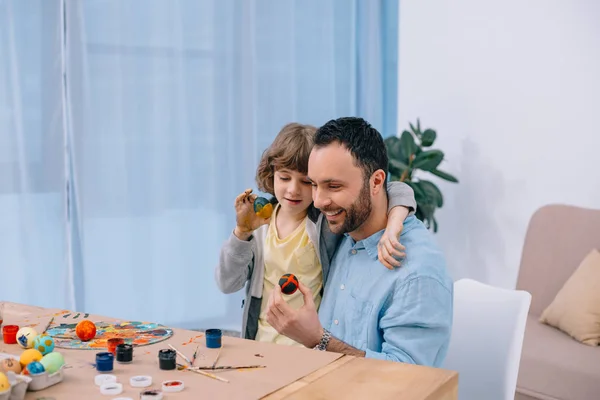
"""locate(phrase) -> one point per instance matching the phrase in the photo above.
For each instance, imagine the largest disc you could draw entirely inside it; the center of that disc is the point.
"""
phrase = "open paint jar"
(213, 338)
(166, 359)
(9, 333)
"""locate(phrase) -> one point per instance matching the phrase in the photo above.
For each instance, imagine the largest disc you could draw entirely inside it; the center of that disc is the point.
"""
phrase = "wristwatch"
(322, 346)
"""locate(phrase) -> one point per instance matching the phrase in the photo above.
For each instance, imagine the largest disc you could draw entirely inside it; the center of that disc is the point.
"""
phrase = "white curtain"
(33, 248)
(167, 108)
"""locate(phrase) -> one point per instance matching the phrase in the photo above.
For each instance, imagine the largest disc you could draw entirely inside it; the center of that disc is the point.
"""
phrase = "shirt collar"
(370, 243)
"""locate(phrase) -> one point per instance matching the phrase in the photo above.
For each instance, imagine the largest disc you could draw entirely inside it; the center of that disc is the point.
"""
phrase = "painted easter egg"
(289, 283)
(44, 343)
(52, 362)
(25, 337)
(29, 356)
(85, 330)
(10, 364)
(35, 368)
(263, 208)
(4, 383)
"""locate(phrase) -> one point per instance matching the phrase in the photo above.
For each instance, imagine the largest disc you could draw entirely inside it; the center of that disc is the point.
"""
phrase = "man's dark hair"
(357, 135)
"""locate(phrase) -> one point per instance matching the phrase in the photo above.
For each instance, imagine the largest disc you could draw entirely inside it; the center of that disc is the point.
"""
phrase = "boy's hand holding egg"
(251, 212)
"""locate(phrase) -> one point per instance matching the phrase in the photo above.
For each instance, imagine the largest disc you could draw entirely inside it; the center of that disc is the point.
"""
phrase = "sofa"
(554, 365)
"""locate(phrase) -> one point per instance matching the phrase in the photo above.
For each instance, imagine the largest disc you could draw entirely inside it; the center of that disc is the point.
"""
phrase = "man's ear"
(378, 181)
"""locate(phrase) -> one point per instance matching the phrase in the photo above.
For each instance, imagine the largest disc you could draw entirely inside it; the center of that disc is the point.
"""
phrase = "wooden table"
(309, 374)
(360, 378)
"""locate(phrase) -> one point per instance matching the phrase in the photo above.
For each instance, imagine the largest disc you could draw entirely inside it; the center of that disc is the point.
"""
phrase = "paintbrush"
(49, 323)
(181, 354)
(229, 367)
(217, 358)
(194, 356)
(208, 375)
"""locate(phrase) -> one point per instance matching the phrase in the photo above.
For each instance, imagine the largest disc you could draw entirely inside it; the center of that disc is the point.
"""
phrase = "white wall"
(513, 89)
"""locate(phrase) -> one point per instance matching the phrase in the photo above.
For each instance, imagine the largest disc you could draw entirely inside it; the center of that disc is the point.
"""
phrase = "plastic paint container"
(213, 338)
(166, 359)
(104, 361)
(113, 343)
(9, 333)
(124, 353)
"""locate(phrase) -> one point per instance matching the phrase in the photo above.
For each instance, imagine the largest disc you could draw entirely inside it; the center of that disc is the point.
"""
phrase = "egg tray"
(23, 383)
(18, 387)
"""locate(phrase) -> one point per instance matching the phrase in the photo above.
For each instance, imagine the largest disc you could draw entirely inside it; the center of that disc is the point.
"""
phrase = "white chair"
(487, 337)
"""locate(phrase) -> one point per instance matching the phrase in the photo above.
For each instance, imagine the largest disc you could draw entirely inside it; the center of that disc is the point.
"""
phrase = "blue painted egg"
(35, 367)
(44, 344)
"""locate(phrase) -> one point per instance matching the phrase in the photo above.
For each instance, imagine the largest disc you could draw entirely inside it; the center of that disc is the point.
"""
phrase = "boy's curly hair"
(289, 150)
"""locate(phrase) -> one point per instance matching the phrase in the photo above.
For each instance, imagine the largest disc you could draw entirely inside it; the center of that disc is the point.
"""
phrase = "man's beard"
(356, 214)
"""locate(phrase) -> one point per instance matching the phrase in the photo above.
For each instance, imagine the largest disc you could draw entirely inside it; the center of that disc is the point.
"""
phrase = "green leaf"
(435, 224)
(432, 191)
(396, 167)
(407, 146)
(428, 137)
(412, 128)
(444, 175)
(394, 149)
(428, 160)
(420, 195)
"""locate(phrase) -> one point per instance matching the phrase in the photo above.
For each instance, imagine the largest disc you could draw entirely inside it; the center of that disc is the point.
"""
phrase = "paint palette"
(135, 333)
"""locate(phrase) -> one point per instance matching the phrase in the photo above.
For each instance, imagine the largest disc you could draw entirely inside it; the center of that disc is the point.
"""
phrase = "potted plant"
(412, 152)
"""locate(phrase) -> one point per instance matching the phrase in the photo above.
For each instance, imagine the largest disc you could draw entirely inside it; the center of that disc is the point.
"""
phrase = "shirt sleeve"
(416, 322)
(400, 194)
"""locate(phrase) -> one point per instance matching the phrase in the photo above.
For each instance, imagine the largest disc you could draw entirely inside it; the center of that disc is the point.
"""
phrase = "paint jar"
(124, 353)
(213, 338)
(9, 333)
(113, 343)
(167, 359)
(104, 361)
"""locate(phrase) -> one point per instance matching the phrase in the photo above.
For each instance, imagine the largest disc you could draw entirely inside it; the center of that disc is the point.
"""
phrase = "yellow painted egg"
(4, 383)
(29, 356)
(10, 364)
(25, 337)
(44, 343)
(52, 362)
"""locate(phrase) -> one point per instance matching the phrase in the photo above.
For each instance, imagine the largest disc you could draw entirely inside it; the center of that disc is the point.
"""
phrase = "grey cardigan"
(241, 261)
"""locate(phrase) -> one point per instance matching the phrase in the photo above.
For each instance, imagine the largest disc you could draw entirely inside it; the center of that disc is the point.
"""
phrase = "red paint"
(9, 333)
(113, 343)
(173, 383)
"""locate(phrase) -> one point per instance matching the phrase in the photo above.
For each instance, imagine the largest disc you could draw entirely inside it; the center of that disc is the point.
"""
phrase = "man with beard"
(367, 310)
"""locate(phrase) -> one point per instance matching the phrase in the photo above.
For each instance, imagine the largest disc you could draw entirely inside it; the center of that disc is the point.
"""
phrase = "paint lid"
(122, 398)
(140, 381)
(172, 386)
(111, 388)
(151, 395)
(101, 379)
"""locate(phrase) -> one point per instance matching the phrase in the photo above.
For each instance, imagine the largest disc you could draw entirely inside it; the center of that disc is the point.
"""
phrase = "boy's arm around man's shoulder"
(400, 194)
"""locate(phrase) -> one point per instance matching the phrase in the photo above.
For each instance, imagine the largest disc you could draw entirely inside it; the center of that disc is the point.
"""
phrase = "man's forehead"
(331, 162)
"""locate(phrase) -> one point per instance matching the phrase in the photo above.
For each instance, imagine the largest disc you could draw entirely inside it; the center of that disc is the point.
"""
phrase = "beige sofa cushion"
(554, 366)
(576, 307)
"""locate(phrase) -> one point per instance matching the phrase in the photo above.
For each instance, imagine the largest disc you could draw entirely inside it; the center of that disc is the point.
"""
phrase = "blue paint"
(104, 361)
(213, 338)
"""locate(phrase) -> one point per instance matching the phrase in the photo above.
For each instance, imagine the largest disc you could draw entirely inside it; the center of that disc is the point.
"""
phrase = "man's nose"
(319, 198)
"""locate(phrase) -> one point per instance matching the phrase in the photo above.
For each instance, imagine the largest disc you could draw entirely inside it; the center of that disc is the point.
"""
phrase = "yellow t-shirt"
(294, 254)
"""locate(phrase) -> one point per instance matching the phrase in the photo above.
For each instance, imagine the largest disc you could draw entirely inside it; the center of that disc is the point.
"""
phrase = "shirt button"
(336, 322)
(353, 251)
(342, 286)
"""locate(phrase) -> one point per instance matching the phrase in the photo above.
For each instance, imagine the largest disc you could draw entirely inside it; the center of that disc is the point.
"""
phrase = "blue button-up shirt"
(401, 315)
